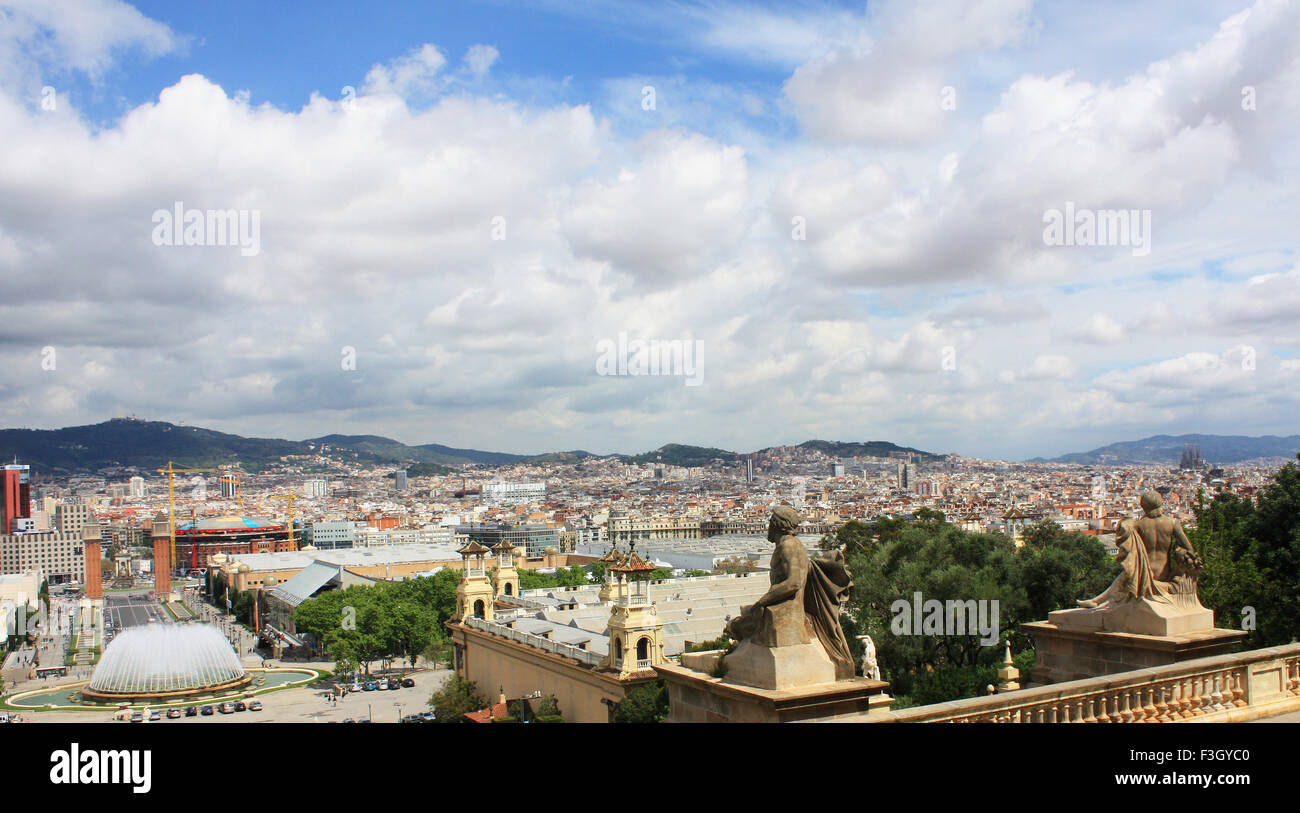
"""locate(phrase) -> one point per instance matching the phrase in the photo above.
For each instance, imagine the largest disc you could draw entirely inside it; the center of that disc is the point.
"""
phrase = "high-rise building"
(837, 469)
(229, 486)
(749, 470)
(136, 485)
(71, 517)
(315, 489)
(399, 481)
(15, 495)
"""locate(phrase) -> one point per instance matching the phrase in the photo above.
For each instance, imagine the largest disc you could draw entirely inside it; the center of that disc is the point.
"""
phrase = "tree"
(852, 537)
(1251, 552)
(644, 704)
(942, 562)
(455, 699)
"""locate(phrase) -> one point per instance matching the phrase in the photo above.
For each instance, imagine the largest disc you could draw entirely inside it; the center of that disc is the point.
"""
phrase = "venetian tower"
(474, 593)
(636, 642)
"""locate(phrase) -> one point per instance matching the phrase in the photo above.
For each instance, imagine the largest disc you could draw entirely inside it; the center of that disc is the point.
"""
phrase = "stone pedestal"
(695, 697)
(778, 667)
(1072, 652)
(1139, 618)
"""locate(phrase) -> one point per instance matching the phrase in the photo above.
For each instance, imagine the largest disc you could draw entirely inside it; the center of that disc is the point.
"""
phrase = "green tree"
(944, 563)
(644, 704)
(455, 699)
(852, 537)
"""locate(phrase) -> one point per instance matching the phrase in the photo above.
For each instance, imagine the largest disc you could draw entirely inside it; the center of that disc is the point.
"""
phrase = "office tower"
(399, 481)
(15, 496)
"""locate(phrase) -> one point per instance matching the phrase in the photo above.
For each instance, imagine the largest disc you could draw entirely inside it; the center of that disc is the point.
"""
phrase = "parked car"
(207, 711)
(408, 682)
(173, 714)
(227, 708)
(137, 716)
(256, 705)
(429, 716)
(240, 705)
(370, 687)
(394, 683)
(349, 720)
(381, 686)
(192, 711)
(364, 720)
(155, 716)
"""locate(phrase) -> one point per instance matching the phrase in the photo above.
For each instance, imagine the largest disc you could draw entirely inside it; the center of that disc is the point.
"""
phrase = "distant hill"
(147, 444)
(677, 454)
(871, 448)
(150, 444)
(1168, 449)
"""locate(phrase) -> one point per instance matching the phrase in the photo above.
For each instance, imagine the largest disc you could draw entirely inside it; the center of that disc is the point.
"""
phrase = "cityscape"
(691, 363)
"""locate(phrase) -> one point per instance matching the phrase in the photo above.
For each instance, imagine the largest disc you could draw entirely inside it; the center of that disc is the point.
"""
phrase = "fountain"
(162, 661)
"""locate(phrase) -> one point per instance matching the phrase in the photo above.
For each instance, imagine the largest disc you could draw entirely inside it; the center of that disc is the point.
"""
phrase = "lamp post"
(399, 711)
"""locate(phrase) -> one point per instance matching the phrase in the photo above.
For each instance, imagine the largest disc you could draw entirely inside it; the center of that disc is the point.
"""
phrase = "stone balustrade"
(1221, 688)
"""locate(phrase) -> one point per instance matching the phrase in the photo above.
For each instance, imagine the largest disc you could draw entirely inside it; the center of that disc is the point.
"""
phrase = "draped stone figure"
(1159, 563)
(803, 603)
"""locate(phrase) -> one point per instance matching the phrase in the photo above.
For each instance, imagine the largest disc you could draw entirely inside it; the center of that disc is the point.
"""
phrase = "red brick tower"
(162, 565)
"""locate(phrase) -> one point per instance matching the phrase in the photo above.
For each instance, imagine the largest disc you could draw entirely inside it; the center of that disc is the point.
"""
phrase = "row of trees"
(895, 560)
(399, 620)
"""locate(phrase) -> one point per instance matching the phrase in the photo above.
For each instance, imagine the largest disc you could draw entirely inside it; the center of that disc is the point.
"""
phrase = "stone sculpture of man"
(1158, 560)
(804, 600)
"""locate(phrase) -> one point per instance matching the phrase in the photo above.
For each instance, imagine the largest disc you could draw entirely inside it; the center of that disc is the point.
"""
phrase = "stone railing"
(1220, 688)
(536, 641)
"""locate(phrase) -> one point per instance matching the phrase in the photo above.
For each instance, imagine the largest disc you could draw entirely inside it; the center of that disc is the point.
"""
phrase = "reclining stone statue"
(1158, 560)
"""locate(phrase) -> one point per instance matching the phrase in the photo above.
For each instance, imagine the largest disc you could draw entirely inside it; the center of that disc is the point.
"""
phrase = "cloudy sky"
(843, 206)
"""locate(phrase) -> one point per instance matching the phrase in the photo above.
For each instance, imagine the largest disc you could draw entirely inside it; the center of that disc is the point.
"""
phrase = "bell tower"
(474, 593)
(507, 578)
(636, 641)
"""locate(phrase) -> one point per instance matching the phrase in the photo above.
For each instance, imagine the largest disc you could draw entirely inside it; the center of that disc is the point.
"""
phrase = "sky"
(1000, 228)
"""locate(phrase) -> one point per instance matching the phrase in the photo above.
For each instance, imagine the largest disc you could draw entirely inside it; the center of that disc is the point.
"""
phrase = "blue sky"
(921, 236)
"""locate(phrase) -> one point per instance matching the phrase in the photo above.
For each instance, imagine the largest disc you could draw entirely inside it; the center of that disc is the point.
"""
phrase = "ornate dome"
(166, 659)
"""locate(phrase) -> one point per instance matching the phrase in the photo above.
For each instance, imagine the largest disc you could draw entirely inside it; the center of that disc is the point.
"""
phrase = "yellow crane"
(291, 498)
(171, 472)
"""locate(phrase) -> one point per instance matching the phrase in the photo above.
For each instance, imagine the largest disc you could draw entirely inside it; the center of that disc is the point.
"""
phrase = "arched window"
(643, 652)
(478, 609)
(510, 588)
(618, 651)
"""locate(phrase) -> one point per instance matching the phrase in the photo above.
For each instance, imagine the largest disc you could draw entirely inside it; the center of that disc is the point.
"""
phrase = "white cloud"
(480, 59)
(377, 224)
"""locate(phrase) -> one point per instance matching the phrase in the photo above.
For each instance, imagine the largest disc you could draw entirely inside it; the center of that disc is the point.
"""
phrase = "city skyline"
(856, 224)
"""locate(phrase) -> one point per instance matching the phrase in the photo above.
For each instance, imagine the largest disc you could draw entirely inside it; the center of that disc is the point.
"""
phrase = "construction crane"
(291, 498)
(171, 472)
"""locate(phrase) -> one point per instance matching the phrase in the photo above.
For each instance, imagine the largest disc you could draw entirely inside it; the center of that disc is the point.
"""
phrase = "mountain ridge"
(131, 442)
(1169, 449)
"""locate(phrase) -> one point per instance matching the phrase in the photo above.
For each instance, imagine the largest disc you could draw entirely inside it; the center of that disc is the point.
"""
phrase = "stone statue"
(803, 603)
(1159, 563)
(870, 667)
